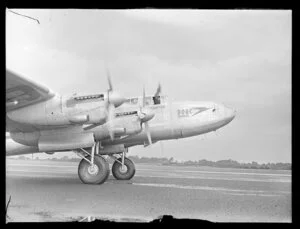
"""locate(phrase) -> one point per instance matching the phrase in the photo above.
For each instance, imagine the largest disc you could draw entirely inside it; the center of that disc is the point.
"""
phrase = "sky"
(241, 58)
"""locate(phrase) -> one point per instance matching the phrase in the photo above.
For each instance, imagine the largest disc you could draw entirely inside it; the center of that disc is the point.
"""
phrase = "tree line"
(220, 164)
(170, 161)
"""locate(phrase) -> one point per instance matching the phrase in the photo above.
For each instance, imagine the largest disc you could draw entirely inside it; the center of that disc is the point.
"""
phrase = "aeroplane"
(99, 126)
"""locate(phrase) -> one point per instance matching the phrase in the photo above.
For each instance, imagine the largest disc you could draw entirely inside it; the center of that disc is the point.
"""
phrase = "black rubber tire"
(88, 178)
(118, 174)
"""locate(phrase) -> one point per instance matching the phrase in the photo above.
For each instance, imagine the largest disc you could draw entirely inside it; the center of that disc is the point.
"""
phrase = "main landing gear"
(96, 173)
(94, 169)
(123, 168)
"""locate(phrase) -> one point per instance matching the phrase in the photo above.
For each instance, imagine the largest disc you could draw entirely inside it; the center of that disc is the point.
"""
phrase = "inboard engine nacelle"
(121, 127)
(57, 111)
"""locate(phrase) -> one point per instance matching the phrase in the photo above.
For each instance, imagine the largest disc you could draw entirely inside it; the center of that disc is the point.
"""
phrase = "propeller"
(109, 80)
(148, 133)
(145, 115)
(158, 90)
(110, 120)
(114, 99)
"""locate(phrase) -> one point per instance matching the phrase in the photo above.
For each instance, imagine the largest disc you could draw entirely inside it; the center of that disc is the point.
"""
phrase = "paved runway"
(51, 191)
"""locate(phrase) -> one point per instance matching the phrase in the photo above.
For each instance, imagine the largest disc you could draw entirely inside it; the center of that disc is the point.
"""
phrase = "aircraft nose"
(230, 114)
(233, 112)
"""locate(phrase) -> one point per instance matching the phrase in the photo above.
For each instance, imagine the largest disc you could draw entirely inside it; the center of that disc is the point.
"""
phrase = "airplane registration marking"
(187, 112)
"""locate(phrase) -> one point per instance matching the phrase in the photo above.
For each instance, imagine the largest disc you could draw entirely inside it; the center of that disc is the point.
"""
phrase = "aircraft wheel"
(123, 174)
(96, 174)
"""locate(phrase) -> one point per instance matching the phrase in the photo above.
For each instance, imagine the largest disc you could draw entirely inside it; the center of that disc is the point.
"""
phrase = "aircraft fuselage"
(175, 120)
(172, 120)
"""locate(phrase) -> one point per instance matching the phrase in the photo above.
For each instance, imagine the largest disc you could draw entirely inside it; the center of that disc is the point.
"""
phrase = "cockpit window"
(156, 99)
(150, 100)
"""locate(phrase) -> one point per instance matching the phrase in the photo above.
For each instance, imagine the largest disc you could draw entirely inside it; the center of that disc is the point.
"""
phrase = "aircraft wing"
(22, 92)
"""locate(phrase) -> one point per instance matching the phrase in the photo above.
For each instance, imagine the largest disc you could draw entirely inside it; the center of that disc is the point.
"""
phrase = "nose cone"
(230, 114)
(146, 115)
(116, 98)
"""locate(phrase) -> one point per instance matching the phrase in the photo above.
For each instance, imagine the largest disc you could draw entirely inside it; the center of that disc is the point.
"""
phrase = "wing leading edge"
(21, 92)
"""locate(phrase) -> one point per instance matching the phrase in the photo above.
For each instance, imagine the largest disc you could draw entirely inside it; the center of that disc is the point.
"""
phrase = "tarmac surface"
(50, 191)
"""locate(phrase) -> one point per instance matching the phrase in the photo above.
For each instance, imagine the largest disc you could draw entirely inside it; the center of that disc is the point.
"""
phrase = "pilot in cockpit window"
(156, 100)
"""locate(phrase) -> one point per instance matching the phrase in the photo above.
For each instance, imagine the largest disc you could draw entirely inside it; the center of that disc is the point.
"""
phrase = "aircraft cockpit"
(150, 100)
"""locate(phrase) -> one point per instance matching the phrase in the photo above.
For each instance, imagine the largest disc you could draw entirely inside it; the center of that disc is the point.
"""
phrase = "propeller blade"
(148, 133)
(158, 90)
(110, 120)
(109, 80)
(110, 108)
(144, 97)
(113, 96)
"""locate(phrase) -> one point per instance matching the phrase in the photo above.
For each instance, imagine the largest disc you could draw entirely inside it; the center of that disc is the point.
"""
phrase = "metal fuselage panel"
(172, 120)
(175, 120)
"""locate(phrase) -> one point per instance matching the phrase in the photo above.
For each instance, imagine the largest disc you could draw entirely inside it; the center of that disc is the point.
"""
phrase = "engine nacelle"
(60, 111)
(65, 141)
(132, 127)
(26, 138)
(122, 126)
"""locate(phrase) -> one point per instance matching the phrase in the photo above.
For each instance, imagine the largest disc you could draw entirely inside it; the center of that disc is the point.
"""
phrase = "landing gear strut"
(123, 168)
(92, 169)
